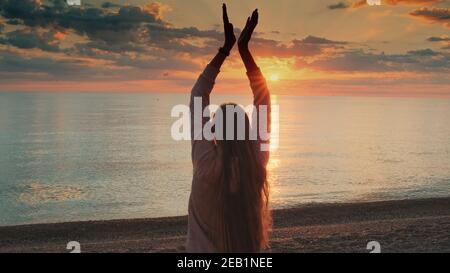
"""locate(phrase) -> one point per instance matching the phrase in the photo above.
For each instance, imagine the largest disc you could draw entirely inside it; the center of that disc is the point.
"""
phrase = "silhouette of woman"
(228, 206)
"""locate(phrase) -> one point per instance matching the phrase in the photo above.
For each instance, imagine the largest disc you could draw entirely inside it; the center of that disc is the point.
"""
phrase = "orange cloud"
(359, 4)
(157, 9)
(59, 35)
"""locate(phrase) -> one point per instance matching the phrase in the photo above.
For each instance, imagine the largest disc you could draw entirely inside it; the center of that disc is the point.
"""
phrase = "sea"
(98, 156)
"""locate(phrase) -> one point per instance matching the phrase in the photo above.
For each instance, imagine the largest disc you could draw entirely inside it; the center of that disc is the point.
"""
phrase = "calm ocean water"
(70, 156)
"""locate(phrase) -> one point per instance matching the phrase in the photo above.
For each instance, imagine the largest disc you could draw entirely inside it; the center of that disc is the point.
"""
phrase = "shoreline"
(420, 225)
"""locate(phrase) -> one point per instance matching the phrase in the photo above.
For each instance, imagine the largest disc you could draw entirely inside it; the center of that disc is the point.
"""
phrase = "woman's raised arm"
(257, 81)
(205, 82)
(244, 39)
(261, 95)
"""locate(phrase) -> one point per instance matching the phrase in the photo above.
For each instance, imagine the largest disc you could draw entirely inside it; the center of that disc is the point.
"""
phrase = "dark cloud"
(127, 28)
(91, 48)
(439, 39)
(423, 52)
(108, 5)
(140, 57)
(444, 40)
(348, 4)
(353, 61)
(134, 41)
(321, 41)
(96, 23)
(425, 60)
(177, 39)
(307, 47)
(155, 40)
(127, 38)
(27, 39)
(29, 12)
(433, 15)
(16, 66)
(123, 31)
(13, 22)
(340, 5)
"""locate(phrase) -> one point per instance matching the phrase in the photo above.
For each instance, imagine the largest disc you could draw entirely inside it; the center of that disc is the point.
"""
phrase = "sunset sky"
(308, 47)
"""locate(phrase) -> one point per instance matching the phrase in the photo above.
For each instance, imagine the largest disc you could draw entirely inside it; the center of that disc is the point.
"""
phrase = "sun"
(274, 78)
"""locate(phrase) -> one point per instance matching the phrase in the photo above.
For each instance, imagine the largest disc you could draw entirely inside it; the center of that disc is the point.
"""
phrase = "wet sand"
(399, 226)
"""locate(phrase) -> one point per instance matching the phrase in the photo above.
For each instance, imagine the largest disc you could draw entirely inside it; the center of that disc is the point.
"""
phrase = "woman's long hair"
(243, 217)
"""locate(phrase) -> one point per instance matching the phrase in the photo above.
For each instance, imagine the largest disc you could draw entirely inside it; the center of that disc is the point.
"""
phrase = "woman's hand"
(230, 39)
(247, 32)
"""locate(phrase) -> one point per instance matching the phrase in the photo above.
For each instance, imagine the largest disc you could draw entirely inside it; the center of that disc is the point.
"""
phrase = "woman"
(228, 206)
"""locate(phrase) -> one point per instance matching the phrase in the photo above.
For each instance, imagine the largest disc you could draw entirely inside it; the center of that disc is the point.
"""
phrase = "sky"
(308, 47)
